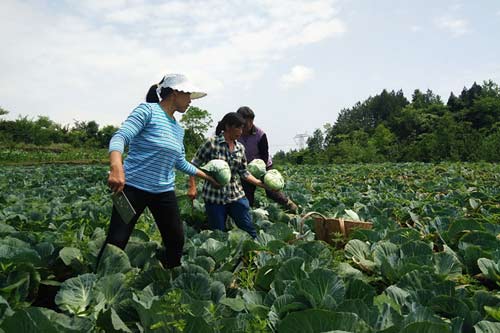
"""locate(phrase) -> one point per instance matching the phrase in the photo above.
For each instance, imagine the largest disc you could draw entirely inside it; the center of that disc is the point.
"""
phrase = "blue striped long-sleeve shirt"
(156, 146)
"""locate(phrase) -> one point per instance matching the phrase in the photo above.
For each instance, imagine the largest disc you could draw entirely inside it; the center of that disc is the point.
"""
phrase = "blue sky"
(295, 63)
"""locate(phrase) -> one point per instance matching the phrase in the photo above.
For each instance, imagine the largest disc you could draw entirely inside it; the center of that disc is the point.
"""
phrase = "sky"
(296, 63)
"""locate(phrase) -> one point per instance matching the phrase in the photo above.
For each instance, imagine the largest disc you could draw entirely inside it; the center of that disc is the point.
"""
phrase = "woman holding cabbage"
(147, 177)
(256, 147)
(228, 199)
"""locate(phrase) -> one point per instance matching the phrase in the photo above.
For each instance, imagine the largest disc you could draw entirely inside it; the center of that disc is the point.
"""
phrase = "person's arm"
(192, 192)
(133, 125)
(254, 181)
(263, 147)
(201, 157)
(246, 175)
(135, 122)
(202, 174)
(116, 178)
(188, 168)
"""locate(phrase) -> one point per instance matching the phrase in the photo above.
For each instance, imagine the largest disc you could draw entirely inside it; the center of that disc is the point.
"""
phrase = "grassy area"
(54, 154)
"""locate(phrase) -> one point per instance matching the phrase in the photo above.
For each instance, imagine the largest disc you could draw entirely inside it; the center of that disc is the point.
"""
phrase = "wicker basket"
(325, 227)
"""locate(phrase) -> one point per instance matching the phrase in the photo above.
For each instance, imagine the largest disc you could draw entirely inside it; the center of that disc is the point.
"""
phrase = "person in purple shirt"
(256, 146)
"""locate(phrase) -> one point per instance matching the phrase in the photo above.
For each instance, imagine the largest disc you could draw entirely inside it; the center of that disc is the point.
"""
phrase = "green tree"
(454, 104)
(5, 136)
(366, 116)
(490, 147)
(197, 120)
(316, 141)
(383, 140)
(468, 96)
(386, 106)
(420, 100)
(490, 89)
(196, 123)
(105, 134)
(410, 123)
(279, 157)
(483, 113)
(85, 133)
(444, 133)
(24, 130)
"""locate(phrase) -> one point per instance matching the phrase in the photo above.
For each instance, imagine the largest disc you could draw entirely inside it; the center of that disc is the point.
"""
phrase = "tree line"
(42, 132)
(383, 128)
(389, 127)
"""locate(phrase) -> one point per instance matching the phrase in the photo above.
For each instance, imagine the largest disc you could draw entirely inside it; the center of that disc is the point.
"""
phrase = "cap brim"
(196, 95)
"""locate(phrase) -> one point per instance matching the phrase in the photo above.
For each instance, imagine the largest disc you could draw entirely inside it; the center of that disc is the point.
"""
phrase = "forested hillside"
(389, 127)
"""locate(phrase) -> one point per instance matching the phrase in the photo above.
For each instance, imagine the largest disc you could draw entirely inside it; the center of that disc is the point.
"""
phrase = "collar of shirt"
(220, 139)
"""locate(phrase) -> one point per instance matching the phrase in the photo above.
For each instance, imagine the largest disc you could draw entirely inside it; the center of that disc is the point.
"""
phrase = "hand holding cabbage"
(220, 174)
(219, 169)
(208, 174)
(273, 180)
(257, 168)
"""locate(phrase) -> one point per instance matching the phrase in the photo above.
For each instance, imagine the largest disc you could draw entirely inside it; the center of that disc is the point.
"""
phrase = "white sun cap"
(181, 83)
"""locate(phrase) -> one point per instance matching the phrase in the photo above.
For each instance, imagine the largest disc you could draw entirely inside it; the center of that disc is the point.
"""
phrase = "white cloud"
(97, 5)
(416, 28)
(297, 75)
(318, 31)
(90, 55)
(457, 27)
(128, 15)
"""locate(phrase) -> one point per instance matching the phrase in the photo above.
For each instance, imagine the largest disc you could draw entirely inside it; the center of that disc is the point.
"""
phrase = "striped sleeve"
(135, 122)
(183, 165)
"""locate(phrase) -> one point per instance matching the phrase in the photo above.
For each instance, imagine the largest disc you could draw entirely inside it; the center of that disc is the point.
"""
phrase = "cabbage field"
(431, 263)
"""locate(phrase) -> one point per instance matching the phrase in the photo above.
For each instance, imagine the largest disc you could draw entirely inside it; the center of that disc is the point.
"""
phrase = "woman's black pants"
(165, 211)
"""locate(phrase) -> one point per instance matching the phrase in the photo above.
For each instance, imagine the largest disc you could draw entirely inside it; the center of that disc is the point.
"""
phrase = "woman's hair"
(246, 112)
(231, 119)
(152, 96)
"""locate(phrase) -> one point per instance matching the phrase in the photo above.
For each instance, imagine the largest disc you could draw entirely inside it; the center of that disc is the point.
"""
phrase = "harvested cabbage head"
(274, 180)
(219, 169)
(257, 168)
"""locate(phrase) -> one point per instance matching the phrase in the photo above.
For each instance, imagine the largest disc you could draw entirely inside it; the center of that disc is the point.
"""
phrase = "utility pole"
(300, 139)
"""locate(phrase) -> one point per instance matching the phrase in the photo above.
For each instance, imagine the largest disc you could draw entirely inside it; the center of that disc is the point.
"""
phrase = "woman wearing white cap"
(147, 178)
